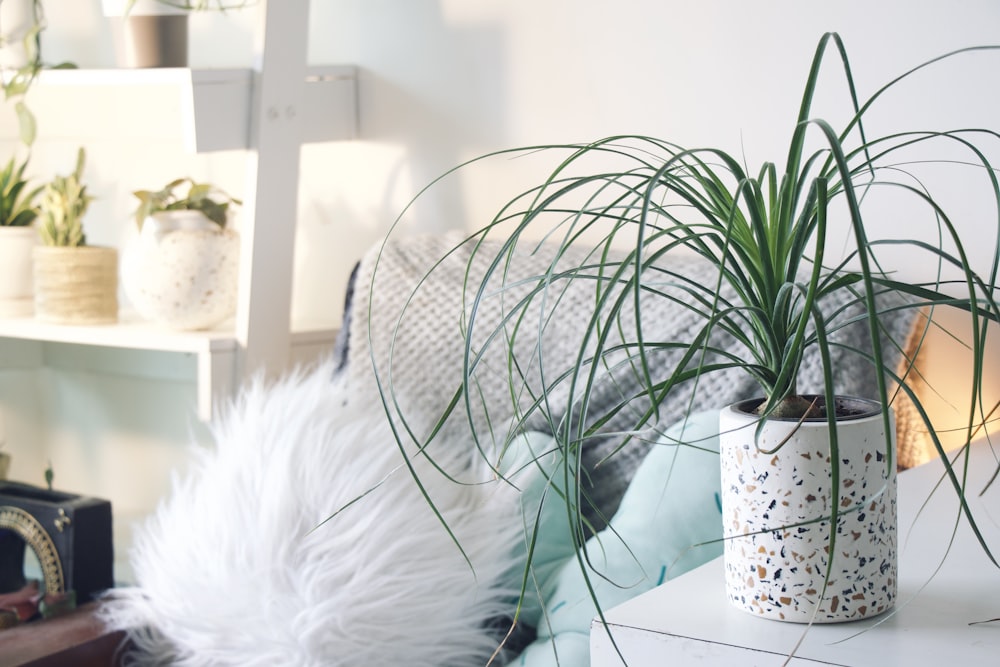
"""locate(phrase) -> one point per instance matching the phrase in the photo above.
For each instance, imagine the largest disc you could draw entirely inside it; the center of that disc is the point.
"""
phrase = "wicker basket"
(76, 285)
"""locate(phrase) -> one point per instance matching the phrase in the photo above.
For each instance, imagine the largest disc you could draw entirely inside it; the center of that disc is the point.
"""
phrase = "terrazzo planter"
(182, 271)
(776, 508)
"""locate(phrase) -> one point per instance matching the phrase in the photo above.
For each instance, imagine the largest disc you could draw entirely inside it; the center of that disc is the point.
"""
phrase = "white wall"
(441, 82)
(445, 81)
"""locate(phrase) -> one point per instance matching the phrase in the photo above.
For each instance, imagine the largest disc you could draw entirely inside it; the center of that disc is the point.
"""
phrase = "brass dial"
(34, 534)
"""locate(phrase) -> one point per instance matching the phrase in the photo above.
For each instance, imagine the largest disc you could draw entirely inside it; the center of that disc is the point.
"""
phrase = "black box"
(70, 535)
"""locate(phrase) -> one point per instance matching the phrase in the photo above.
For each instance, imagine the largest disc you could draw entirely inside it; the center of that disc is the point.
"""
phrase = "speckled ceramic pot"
(182, 271)
(776, 508)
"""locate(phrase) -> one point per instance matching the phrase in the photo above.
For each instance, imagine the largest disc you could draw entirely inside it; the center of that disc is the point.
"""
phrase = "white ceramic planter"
(776, 517)
(182, 271)
(16, 285)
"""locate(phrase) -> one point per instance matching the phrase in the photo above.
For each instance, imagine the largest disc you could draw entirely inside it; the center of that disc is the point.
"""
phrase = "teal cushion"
(533, 463)
(669, 522)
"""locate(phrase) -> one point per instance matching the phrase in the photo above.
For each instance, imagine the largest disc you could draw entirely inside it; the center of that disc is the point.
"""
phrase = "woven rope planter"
(76, 285)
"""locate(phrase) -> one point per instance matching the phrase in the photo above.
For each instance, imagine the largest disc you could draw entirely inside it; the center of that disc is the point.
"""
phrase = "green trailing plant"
(17, 201)
(213, 202)
(632, 202)
(17, 83)
(64, 201)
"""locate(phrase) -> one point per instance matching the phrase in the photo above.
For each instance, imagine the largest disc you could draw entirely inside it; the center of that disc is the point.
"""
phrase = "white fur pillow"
(235, 568)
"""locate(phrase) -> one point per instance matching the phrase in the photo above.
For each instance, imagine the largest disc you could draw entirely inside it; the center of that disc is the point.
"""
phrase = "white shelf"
(947, 592)
(134, 335)
(268, 111)
(206, 109)
(215, 350)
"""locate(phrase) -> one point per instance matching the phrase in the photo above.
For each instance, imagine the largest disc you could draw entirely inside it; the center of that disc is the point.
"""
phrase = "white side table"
(941, 617)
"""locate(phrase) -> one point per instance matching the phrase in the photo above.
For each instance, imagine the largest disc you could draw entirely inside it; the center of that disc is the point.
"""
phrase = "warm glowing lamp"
(942, 378)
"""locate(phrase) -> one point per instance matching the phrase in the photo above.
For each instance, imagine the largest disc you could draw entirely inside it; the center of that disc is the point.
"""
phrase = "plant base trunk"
(777, 508)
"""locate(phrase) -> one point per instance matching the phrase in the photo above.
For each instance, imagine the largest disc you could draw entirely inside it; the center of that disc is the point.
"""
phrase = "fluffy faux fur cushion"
(237, 567)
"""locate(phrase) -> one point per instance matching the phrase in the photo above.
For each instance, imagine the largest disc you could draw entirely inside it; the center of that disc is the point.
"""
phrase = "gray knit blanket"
(409, 337)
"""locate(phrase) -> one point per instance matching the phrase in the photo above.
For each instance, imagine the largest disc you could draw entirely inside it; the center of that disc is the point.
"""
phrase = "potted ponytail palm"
(75, 283)
(743, 256)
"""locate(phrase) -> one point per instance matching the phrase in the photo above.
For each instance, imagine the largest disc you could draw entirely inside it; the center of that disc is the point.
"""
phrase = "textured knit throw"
(409, 319)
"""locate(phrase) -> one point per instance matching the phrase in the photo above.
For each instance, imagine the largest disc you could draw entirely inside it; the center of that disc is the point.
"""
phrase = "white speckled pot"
(776, 516)
(182, 271)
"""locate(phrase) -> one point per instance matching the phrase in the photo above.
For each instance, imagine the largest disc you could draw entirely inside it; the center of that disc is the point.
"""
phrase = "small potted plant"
(182, 270)
(17, 239)
(75, 283)
(154, 33)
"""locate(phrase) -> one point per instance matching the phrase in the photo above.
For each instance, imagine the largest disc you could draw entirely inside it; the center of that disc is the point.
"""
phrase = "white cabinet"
(268, 110)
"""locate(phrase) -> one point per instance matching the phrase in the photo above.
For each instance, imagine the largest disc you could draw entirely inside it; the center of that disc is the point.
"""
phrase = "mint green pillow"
(532, 462)
(669, 522)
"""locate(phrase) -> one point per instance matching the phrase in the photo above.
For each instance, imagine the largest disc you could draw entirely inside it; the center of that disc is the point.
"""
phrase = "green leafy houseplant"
(17, 203)
(75, 283)
(182, 271)
(620, 209)
(213, 202)
(64, 202)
